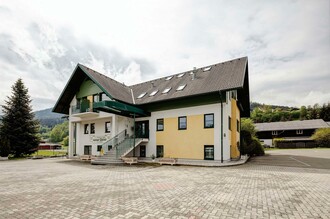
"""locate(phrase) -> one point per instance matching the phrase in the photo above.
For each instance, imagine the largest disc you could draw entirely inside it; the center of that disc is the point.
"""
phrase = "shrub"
(322, 137)
(251, 145)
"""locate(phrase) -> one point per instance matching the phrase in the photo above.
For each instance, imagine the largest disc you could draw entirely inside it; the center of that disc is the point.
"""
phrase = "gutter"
(221, 131)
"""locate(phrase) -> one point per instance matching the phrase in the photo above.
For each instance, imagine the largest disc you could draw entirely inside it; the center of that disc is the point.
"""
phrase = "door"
(208, 152)
(142, 129)
(87, 150)
(160, 151)
(142, 151)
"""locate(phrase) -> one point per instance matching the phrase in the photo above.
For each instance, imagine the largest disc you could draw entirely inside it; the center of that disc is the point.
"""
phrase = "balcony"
(83, 110)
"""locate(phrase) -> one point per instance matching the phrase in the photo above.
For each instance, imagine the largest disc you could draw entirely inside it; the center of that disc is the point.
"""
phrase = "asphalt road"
(306, 158)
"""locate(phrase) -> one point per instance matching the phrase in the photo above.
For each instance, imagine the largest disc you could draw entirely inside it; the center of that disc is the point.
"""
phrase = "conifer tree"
(19, 127)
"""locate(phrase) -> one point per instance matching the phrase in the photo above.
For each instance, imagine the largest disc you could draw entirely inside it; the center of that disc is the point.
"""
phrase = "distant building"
(49, 146)
(293, 133)
(190, 115)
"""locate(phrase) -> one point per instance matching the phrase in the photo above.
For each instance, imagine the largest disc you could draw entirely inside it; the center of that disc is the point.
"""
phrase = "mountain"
(48, 118)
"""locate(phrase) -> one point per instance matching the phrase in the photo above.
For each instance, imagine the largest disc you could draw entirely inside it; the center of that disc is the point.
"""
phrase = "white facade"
(120, 123)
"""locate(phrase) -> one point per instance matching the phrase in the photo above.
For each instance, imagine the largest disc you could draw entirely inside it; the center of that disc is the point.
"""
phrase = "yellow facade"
(234, 152)
(187, 143)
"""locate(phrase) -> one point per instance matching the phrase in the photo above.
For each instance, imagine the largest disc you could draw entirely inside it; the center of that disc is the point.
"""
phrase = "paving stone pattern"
(59, 188)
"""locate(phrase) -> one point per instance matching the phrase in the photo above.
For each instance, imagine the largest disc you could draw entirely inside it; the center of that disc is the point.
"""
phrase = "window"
(180, 75)
(229, 122)
(78, 103)
(95, 98)
(274, 133)
(104, 97)
(166, 90)
(109, 147)
(142, 95)
(93, 128)
(208, 152)
(209, 120)
(299, 132)
(153, 93)
(87, 150)
(99, 147)
(237, 125)
(233, 95)
(107, 127)
(160, 151)
(181, 87)
(160, 124)
(207, 68)
(168, 78)
(182, 122)
(86, 129)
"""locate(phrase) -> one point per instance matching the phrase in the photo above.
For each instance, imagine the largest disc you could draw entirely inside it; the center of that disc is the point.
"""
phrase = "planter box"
(3, 158)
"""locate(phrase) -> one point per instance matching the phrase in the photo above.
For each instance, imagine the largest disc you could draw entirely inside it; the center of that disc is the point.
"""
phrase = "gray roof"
(222, 76)
(292, 125)
(219, 77)
(116, 89)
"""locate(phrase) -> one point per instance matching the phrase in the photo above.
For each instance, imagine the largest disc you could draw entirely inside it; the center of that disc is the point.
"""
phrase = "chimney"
(152, 84)
(193, 74)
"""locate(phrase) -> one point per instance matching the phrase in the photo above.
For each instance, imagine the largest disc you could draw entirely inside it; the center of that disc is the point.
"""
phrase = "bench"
(85, 157)
(130, 160)
(171, 161)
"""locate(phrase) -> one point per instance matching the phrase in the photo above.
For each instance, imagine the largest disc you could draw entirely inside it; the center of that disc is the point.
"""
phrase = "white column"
(78, 137)
(114, 125)
(70, 138)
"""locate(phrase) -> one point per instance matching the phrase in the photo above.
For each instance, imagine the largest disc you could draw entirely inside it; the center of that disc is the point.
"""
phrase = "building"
(191, 115)
(293, 134)
(49, 146)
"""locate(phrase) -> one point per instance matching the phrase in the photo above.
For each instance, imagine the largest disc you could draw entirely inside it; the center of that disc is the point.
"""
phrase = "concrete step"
(104, 162)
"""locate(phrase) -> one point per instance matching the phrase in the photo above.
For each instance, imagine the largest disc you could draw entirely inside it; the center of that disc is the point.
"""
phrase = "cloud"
(287, 43)
(49, 59)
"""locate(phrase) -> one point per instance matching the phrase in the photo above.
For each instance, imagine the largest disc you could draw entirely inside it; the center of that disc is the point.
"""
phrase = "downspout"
(221, 131)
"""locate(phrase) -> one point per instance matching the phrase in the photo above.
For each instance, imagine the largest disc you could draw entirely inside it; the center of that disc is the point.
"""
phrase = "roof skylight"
(166, 90)
(142, 95)
(181, 87)
(180, 75)
(168, 78)
(153, 93)
(207, 68)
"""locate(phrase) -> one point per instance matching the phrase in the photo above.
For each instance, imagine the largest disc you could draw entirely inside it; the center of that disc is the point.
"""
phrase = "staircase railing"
(115, 141)
(127, 145)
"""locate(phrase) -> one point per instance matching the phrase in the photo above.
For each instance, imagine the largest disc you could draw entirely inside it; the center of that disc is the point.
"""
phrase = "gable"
(87, 88)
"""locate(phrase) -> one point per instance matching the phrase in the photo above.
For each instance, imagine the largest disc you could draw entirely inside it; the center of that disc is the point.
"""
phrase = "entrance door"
(142, 151)
(142, 129)
(88, 150)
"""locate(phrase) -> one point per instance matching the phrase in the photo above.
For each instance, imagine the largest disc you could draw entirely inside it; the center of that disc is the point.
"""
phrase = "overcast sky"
(287, 43)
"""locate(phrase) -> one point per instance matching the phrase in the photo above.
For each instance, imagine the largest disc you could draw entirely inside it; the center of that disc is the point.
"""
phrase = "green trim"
(66, 86)
(205, 99)
(119, 107)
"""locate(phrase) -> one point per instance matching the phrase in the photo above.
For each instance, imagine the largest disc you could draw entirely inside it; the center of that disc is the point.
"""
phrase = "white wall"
(198, 110)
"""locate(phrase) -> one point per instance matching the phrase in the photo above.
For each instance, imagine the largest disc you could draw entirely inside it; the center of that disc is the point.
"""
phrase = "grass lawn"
(48, 153)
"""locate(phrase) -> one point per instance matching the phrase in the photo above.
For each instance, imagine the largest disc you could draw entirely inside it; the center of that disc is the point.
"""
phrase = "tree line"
(269, 113)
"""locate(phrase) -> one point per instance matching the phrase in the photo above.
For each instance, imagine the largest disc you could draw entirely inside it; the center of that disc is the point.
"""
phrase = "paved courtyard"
(60, 188)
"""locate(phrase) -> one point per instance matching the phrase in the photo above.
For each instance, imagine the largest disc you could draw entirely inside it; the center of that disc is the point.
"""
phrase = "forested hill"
(272, 113)
(48, 118)
(254, 105)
